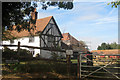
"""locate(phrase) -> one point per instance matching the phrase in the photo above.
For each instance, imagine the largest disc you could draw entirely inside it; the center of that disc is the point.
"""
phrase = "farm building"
(113, 53)
(74, 44)
(46, 35)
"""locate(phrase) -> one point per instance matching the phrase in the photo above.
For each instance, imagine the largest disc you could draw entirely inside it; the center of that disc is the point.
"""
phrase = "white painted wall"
(25, 41)
(36, 43)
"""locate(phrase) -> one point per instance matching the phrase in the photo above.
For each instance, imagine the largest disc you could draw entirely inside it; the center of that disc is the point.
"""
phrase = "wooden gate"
(102, 67)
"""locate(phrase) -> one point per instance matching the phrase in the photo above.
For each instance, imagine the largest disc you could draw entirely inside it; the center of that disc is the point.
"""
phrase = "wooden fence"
(43, 48)
(102, 68)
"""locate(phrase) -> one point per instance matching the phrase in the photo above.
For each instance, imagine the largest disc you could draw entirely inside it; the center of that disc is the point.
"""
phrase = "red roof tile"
(40, 26)
(112, 51)
(67, 38)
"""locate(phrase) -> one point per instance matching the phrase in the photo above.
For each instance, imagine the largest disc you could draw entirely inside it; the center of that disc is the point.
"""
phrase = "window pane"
(31, 39)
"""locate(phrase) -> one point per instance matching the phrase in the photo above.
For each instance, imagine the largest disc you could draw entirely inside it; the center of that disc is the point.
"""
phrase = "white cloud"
(86, 9)
(83, 12)
(105, 20)
(88, 17)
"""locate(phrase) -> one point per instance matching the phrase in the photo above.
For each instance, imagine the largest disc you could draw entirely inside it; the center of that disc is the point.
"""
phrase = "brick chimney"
(34, 17)
(34, 14)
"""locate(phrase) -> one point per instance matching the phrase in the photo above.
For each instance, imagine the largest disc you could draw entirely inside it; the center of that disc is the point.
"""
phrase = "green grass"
(74, 60)
(39, 67)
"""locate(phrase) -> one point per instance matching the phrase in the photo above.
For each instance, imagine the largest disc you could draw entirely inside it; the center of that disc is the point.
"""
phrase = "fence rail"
(43, 48)
(102, 68)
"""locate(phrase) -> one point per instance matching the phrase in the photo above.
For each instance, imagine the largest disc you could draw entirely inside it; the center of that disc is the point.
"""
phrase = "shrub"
(25, 53)
(54, 56)
(11, 54)
(8, 53)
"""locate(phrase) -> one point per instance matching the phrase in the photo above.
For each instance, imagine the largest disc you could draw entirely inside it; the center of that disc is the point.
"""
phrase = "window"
(11, 41)
(31, 39)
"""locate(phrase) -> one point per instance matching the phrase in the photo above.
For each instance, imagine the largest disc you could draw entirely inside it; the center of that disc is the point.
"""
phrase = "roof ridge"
(45, 17)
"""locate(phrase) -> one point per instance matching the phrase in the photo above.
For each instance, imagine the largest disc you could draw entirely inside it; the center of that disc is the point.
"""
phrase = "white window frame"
(11, 41)
(31, 39)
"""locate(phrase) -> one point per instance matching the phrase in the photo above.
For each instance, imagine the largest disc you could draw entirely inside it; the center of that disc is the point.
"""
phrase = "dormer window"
(31, 39)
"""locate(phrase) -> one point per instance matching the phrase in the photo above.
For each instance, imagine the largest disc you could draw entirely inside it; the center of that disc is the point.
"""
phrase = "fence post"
(18, 49)
(79, 65)
(68, 64)
(68, 56)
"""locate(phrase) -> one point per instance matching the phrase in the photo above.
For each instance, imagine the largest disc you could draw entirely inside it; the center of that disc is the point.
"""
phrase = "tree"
(114, 45)
(18, 13)
(109, 46)
(105, 46)
(99, 48)
(14, 13)
(118, 46)
(114, 3)
(83, 44)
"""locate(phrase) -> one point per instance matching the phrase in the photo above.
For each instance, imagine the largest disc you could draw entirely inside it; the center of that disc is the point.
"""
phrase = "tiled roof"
(74, 43)
(67, 36)
(40, 26)
(42, 23)
(112, 51)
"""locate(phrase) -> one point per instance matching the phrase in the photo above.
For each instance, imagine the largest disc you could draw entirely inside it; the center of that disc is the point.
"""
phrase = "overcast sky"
(91, 21)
